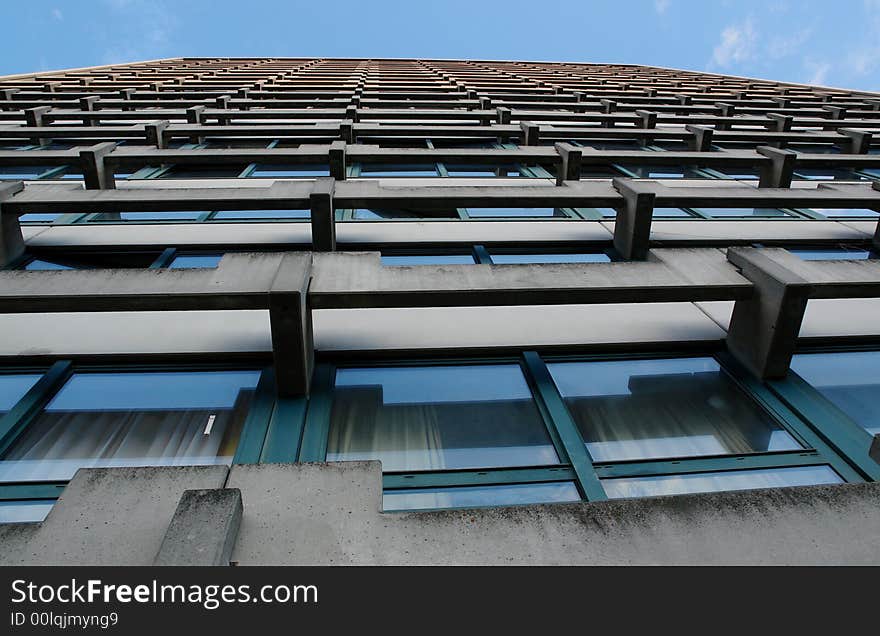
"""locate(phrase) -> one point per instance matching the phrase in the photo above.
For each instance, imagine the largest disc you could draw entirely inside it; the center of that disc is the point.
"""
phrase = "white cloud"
(738, 44)
(785, 45)
(662, 6)
(819, 72)
(57, 15)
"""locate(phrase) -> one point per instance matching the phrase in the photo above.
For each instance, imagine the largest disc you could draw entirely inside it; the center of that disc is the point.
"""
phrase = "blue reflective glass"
(13, 387)
(461, 170)
(28, 511)
(827, 174)
(847, 212)
(831, 254)
(513, 212)
(394, 170)
(664, 172)
(262, 214)
(304, 170)
(680, 407)
(719, 481)
(428, 259)
(133, 419)
(177, 215)
(671, 212)
(202, 172)
(504, 259)
(43, 265)
(362, 214)
(742, 212)
(195, 261)
(850, 380)
(23, 173)
(437, 418)
(38, 217)
(479, 496)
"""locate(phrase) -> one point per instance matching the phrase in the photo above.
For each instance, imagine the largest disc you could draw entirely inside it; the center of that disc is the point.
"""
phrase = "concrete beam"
(764, 329)
(11, 241)
(858, 142)
(96, 173)
(503, 115)
(632, 227)
(779, 172)
(154, 133)
(530, 133)
(323, 215)
(779, 122)
(203, 529)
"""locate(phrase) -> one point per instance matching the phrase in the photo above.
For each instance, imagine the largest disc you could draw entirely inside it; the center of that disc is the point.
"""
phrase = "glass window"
(38, 217)
(177, 215)
(827, 174)
(479, 496)
(847, 212)
(428, 259)
(671, 213)
(850, 380)
(664, 172)
(13, 387)
(741, 212)
(363, 214)
(397, 170)
(681, 407)
(303, 170)
(559, 257)
(831, 254)
(202, 172)
(599, 172)
(29, 511)
(261, 214)
(39, 264)
(714, 482)
(195, 261)
(133, 419)
(464, 170)
(23, 173)
(739, 173)
(436, 418)
(513, 212)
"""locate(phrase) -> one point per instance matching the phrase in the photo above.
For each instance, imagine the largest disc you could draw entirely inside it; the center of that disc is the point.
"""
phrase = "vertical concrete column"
(782, 102)
(87, 105)
(195, 115)
(346, 131)
(530, 133)
(351, 112)
(125, 94)
(34, 117)
(764, 329)
(873, 104)
(701, 141)
(724, 110)
(290, 319)
(203, 529)
(502, 115)
(609, 106)
(336, 158)
(779, 172)
(779, 122)
(323, 215)
(96, 174)
(6, 95)
(857, 142)
(649, 118)
(632, 227)
(11, 241)
(153, 132)
(684, 100)
(570, 167)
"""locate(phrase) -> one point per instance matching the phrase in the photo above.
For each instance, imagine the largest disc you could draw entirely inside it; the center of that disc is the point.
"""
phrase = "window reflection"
(133, 419)
(479, 496)
(719, 481)
(434, 418)
(13, 387)
(644, 409)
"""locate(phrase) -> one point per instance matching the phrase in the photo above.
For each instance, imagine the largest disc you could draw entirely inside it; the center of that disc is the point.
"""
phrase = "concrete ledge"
(203, 529)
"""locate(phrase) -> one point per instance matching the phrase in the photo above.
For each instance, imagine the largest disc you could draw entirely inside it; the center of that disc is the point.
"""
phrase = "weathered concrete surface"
(203, 529)
(330, 514)
(107, 516)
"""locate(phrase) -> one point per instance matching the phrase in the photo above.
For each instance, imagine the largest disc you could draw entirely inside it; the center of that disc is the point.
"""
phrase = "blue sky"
(833, 43)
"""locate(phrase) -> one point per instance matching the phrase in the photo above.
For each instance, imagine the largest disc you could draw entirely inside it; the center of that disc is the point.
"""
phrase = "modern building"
(325, 311)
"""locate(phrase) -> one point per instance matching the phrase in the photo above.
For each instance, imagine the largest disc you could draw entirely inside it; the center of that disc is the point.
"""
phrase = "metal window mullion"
(285, 432)
(248, 171)
(317, 425)
(52, 172)
(253, 431)
(695, 465)
(565, 427)
(21, 491)
(164, 259)
(492, 477)
(481, 255)
(16, 420)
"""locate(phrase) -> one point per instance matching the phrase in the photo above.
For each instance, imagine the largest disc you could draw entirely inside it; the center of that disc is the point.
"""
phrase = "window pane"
(513, 212)
(13, 388)
(396, 170)
(202, 172)
(479, 496)
(851, 381)
(193, 261)
(742, 212)
(23, 173)
(670, 212)
(25, 511)
(644, 409)
(428, 259)
(43, 265)
(262, 214)
(179, 215)
(832, 212)
(38, 217)
(831, 254)
(432, 418)
(503, 259)
(464, 170)
(134, 419)
(363, 214)
(290, 171)
(715, 482)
